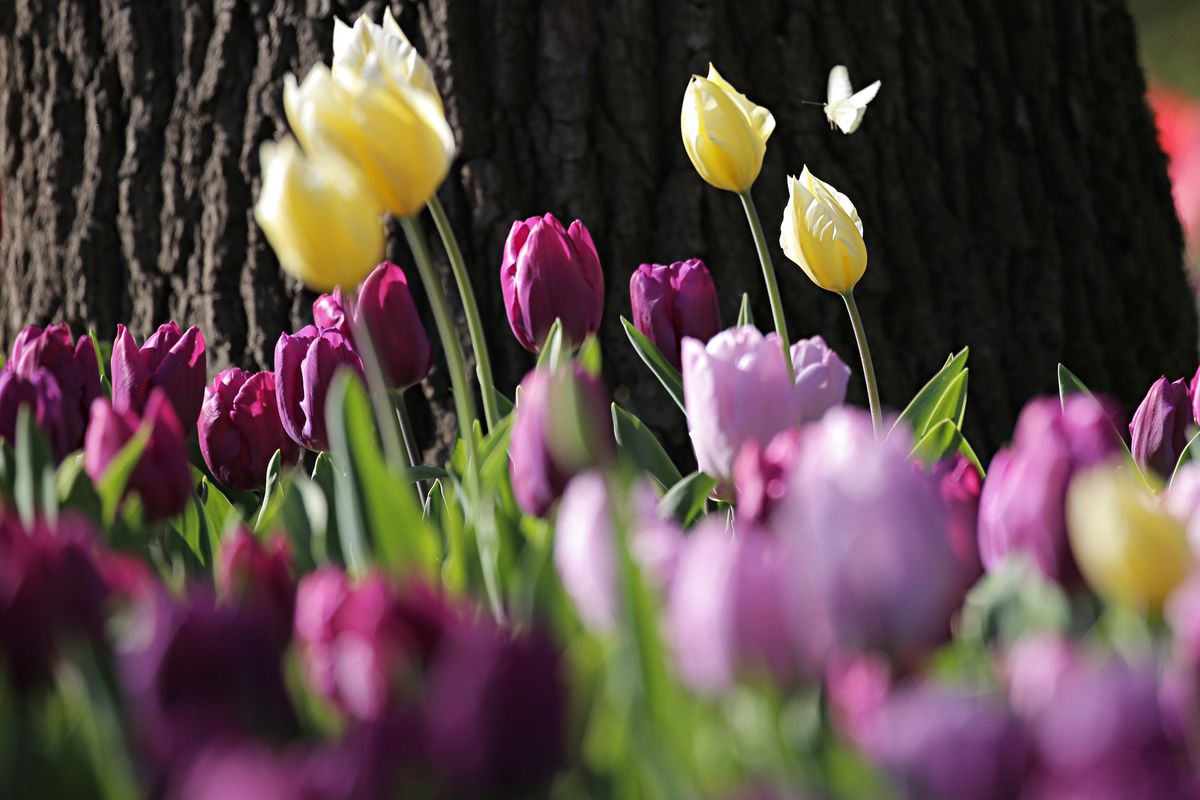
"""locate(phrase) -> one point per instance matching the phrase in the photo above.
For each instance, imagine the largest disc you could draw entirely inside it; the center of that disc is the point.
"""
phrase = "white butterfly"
(845, 107)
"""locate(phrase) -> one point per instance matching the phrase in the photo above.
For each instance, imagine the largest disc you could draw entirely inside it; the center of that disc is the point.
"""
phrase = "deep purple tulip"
(551, 273)
(760, 474)
(539, 464)
(330, 311)
(257, 576)
(170, 360)
(74, 367)
(1022, 506)
(40, 394)
(240, 429)
(162, 479)
(671, 302)
(1159, 430)
(386, 307)
(305, 363)
(496, 712)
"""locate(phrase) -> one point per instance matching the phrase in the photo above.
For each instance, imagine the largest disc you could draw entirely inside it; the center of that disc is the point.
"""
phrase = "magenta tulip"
(330, 311)
(170, 360)
(671, 302)
(73, 365)
(305, 363)
(959, 485)
(39, 392)
(760, 474)
(240, 429)
(1159, 429)
(386, 308)
(551, 273)
(257, 576)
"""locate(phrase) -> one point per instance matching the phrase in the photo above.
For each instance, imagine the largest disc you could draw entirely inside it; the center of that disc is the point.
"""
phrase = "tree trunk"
(1008, 177)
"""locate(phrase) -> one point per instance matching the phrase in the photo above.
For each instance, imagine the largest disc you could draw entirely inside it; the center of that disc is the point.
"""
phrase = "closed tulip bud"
(40, 394)
(821, 378)
(551, 273)
(240, 429)
(386, 308)
(171, 360)
(73, 365)
(257, 576)
(332, 311)
(1127, 545)
(162, 479)
(671, 302)
(822, 234)
(305, 363)
(400, 63)
(725, 135)
(1159, 430)
(395, 135)
(322, 221)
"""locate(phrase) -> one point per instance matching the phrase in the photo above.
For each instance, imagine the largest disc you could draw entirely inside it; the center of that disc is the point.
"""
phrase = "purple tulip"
(671, 302)
(240, 429)
(1159, 430)
(40, 393)
(584, 547)
(959, 485)
(305, 363)
(551, 273)
(856, 687)
(258, 576)
(760, 474)
(170, 360)
(552, 404)
(736, 390)
(943, 743)
(1022, 506)
(162, 479)
(871, 538)
(386, 307)
(329, 311)
(74, 367)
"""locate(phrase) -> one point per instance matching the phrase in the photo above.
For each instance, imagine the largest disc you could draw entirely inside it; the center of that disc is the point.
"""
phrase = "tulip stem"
(376, 385)
(410, 440)
(864, 352)
(483, 362)
(768, 268)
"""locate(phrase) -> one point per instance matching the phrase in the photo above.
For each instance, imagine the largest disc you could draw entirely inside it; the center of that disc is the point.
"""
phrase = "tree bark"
(1013, 194)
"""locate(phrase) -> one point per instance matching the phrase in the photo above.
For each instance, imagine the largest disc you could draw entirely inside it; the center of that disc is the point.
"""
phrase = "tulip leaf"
(115, 479)
(219, 512)
(552, 349)
(34, 490)
(1010, 602)
(953, 403)
(745, 314)
(323, 480)
(273, 494)
(687, 497)
(938, 443)
(3, 360)
(1069, 383)
(1190, 452)
(75, 489)
(374, 505)
(590, 356)
(8, 468)
(443, 511)
(191, 527)
(504, 405)
(919, 414)
(667, 375)
(636, 439)
(100, 361)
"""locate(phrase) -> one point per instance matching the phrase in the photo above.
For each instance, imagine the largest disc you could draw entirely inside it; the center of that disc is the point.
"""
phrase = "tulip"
(386, 307)
(74, 368)
(760, 474)
(822, 234)
(401, 64)
(305, 363)
(162, 479)
(332, 311)
(322, 221)
(240, 429)
(257, 576)
(40, 393)
(1159, 430)
(856, 688)
(725, 135)
(1128, 547)
(395, 135)
(584, 547)
(542, 454)
(170, 360)
(1182, 612)
(1022, 506)
(736, 389)
(551, 273)
(959, 485)
(671, 302)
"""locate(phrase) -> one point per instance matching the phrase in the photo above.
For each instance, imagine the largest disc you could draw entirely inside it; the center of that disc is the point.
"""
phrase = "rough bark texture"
(1013, 194)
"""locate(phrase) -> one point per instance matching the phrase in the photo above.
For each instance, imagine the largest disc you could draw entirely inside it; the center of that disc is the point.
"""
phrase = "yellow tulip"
(725, 135)
(322, 222)
(401, 64)
(395, 135)
(822, 233)
(1126, 545)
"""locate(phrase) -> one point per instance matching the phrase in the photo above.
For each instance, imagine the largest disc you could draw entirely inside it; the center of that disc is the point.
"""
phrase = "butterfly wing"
(844, 116)
(865, 95)
(839, 85)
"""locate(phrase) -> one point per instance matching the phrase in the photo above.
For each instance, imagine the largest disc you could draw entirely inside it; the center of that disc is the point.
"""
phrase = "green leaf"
(1011, 602)
(1190, 451)
(34, 490)
(8, 468)
(552, 351)
(115, 479)
(1069, 383)
(667, 375)
(191, 528)
(99, 351)
(75, 489)
(504, 405)
(444, 513)
(324, 479)
(637, 440)
(686, 498)
(273, 494)
(219, 513)
(938, 443)
(305, 514)
(745, 314)
(952, 405)
(919, 414)
(590, 356)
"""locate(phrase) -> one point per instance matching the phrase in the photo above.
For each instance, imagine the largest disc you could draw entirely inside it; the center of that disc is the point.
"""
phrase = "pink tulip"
(170, 360)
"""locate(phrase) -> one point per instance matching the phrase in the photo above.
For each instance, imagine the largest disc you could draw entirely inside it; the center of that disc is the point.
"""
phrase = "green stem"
(864, 352)
(483, 363)
(768, 268)
(376, 384)
(410, 439)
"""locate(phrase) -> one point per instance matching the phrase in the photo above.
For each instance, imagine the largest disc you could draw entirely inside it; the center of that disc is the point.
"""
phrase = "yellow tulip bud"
(1126, 545)
(396, 136)
(323, 223)
(822, 233)
(401, 64)
(725, 135)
